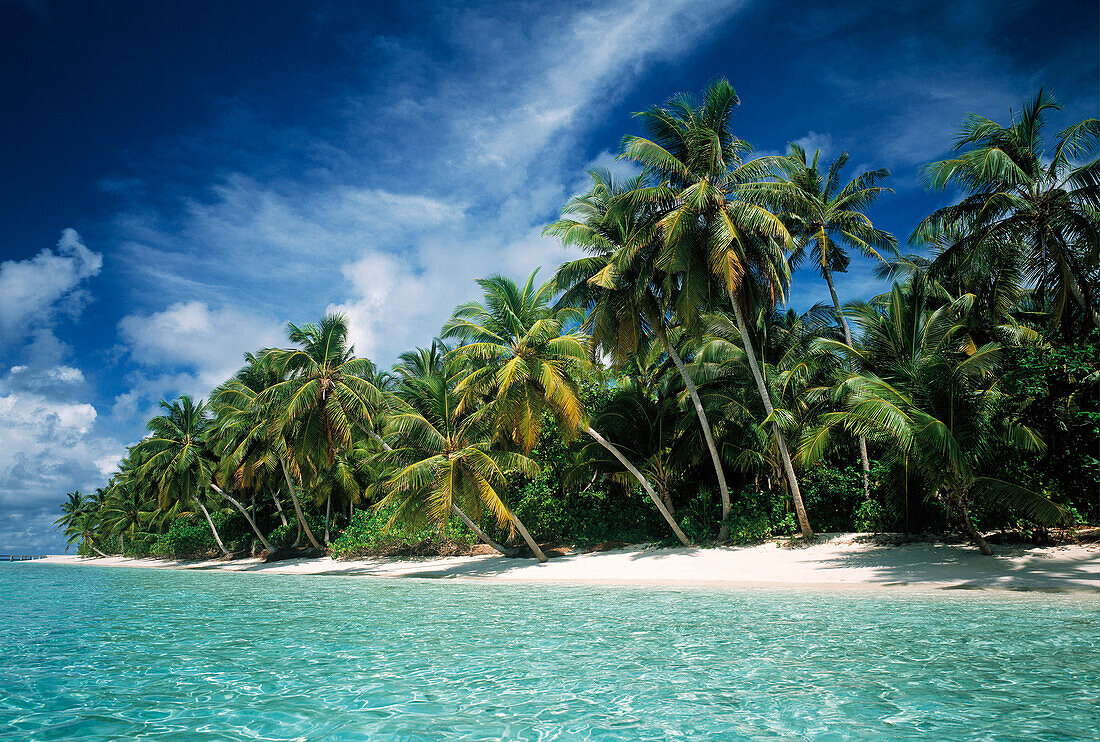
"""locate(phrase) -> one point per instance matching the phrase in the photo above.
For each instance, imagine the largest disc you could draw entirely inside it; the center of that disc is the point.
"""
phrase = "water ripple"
(101, 654)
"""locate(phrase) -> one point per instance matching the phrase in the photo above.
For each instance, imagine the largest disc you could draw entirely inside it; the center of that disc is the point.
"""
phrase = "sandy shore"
(839, 561)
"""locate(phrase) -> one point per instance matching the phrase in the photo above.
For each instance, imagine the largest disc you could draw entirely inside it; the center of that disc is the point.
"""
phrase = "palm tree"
(932, 398)
(242, 434)
(716, 228)
(325, 395)
(175, 458)
(444, 460)
(1021, 193)
(74, 507)
(826, 217)
(524, 364)
(126, 509)
(621, 287)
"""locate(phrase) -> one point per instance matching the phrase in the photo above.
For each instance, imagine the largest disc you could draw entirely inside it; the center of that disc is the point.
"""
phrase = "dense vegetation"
(655, 390)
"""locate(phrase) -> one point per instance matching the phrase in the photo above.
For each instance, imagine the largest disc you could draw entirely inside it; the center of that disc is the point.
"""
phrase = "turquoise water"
(119, 654)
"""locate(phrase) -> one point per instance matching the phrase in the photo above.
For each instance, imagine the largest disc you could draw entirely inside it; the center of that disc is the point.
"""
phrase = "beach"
(836, 561)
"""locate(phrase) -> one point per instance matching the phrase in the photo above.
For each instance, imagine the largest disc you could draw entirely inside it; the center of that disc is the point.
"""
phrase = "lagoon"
(95, 653)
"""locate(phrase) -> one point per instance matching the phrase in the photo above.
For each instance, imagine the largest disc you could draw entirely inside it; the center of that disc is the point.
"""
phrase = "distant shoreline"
(841, 561)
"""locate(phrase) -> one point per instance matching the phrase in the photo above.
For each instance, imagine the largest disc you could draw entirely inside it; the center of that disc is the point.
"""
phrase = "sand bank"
(837, 561)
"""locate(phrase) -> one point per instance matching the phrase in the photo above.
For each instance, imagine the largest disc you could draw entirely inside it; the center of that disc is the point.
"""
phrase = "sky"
(183, 179)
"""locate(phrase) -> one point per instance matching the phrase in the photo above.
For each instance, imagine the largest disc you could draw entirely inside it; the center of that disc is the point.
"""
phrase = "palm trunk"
(708, 434)
(255, 528)
(480, 533)
(122, 542)
(863, 457)
(279, 507)
(465, 518)
(97, 551)
(297, 506)
(328, 514)
(788, 466)
(967, 525)
(527, 537)
(1080, 298)
(213, 530)
(643, 481)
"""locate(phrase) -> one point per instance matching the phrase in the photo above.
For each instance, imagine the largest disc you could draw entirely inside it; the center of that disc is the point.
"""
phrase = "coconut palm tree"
(827, 216)
(931, 396)
(126, 511)
(524, 364)
(73, 507)
(717, 229)
(176, 460)
(1020, 192)
(443, 458)
(621, 287)
(325, 394)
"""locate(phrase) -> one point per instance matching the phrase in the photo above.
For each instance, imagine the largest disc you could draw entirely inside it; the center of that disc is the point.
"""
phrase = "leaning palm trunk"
(297, 506)
(97, 551)
(328, 515)
(708, 434)
(244, 512)
(479, 532)
(642, 480)
(781, 441)
(527, 537)
(279, 507)
(962, 513)
(465, 518)
(865, 460)
(213, 530)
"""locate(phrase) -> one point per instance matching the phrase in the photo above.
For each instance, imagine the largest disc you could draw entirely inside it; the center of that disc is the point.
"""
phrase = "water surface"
(110, 653)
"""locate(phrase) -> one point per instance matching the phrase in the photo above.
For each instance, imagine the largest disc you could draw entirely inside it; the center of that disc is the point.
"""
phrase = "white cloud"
(188, 348)
(50, 443)
(32, 291)
(477, 152)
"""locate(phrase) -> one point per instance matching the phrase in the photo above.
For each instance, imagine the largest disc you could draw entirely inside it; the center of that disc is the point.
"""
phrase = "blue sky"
(181, 179)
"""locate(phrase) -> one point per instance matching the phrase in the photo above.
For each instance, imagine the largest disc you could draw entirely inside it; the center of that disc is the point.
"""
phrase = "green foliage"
(367, 535)
(186, 537)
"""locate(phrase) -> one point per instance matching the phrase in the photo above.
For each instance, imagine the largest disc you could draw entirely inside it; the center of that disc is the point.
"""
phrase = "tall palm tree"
(176, 460)
(717, 230)
(826, 216)
(931, 396)
(1020, 192)
(242, 435)
(621, 287)
(444, 460)
(325, 395)
(524, 363)
(74, 506)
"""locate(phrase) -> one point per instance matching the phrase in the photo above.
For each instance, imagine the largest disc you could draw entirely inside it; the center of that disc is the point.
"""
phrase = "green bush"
(188, 536)
(367, 535)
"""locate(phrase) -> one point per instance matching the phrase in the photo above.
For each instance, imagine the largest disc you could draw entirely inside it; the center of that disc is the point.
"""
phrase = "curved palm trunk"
(781, 441)
(213, 530)
(279, 507)
(465, 518)
(642, 480)
(863, 457)
(255, 528)
(527, 537)
(297, 506)
(962, 512)
(97, 551)
(708, 434)
(479, 532)
(1079, 296)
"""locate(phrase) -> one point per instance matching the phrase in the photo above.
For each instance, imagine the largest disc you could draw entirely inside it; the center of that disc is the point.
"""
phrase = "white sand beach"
(836, 561)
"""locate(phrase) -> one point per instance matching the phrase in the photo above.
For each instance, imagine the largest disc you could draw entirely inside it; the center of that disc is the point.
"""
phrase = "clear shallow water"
(105, 654)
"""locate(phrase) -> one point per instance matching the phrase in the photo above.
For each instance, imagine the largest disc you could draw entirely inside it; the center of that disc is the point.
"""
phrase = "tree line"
(655, 388)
